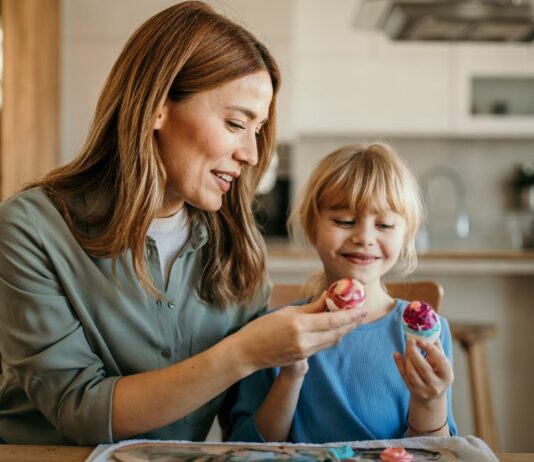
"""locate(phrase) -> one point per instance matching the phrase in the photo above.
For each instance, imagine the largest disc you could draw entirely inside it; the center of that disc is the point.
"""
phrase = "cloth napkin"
(467, 449)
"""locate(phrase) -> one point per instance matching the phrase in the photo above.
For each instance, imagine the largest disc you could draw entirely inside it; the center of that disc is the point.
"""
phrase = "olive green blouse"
(69, 327)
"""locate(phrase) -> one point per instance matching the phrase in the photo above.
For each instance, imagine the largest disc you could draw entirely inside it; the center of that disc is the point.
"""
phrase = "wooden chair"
(471, 337)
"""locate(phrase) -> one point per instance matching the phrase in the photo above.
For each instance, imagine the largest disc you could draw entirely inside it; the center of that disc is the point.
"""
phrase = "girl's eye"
(343, 223)
(385, 226)
(236, 125)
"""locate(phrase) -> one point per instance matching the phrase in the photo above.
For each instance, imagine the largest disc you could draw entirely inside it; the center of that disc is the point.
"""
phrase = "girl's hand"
(426, 377)
(292, 334)
(297, 370)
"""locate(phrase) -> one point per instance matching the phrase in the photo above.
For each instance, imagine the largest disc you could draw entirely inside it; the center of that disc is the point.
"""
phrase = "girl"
(360, 211)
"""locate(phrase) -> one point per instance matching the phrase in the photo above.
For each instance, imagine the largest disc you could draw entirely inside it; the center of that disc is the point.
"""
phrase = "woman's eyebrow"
(245, 110)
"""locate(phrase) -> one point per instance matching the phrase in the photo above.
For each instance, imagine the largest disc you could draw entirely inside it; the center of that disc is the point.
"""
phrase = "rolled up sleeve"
(43, 344)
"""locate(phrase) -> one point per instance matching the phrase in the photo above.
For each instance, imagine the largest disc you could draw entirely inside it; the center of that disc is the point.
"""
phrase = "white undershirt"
(170, 234)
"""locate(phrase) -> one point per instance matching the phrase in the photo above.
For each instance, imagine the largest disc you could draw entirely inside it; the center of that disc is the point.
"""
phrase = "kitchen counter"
(287, 260)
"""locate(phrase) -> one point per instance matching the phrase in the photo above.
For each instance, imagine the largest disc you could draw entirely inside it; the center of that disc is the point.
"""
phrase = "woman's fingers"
(315, 318)
(331, 321)
(293, 333)
(320, 340)
(315, 306)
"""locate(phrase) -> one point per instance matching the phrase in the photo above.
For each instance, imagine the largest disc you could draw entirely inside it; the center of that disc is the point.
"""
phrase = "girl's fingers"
(436, 358)
(432, 350)
(413, 374)
(420, 364)
(417, 368)
(399, 361)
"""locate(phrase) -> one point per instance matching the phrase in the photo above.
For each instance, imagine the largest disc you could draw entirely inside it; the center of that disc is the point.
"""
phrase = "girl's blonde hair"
(369, 178)
(185, 49)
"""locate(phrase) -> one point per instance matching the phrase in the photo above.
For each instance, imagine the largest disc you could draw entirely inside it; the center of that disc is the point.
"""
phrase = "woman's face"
(207, 139)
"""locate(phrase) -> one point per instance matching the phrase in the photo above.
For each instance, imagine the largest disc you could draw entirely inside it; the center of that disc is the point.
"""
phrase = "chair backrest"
(427, 291)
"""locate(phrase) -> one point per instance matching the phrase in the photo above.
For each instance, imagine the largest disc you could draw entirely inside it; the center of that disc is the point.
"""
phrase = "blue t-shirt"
(352, 391)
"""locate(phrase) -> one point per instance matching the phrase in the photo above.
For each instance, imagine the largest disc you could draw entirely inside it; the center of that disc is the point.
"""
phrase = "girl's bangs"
(358, 191)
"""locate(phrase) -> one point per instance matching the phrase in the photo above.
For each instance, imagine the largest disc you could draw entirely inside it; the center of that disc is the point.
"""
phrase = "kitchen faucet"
(462, 218)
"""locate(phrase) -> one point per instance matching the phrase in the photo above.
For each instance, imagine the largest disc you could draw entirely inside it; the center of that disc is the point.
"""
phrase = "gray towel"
(467, 449)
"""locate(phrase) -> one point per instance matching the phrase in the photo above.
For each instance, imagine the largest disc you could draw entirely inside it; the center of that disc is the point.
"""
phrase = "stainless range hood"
(450, 20)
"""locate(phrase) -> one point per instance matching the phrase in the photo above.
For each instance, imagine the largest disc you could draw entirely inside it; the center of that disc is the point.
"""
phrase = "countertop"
(286, 257)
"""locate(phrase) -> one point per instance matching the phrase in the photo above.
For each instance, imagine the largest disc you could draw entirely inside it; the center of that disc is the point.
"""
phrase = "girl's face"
(207, 139)
(363, 246)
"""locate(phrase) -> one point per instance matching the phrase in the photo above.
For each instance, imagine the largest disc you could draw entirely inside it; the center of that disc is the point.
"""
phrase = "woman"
(126, 275)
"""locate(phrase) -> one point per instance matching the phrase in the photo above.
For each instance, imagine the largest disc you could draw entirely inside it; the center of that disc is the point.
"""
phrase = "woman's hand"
(426, 377)
(292, 334)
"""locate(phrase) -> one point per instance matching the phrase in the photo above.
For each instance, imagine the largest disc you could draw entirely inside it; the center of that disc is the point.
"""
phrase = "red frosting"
(420, 316)
(346, 293)
(395, 455)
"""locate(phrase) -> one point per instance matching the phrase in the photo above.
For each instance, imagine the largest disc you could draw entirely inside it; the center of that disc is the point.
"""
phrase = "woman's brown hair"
(183, 50)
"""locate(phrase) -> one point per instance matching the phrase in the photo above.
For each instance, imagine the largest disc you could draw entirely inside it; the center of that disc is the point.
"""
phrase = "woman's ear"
(162, 116)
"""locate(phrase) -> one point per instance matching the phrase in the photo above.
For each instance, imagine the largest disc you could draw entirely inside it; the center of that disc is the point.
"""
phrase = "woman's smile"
(207, 139)
(224, 180)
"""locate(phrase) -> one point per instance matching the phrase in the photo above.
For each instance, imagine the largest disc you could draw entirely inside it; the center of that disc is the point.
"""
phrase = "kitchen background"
(462, 114)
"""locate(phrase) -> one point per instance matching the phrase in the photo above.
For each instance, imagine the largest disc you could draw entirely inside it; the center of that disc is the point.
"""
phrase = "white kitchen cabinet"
(354, 82)
(479, 65)
(372, 95)
(350, 81)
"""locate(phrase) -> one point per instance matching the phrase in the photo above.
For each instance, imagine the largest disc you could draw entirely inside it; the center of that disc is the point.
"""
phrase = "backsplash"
(484, 166)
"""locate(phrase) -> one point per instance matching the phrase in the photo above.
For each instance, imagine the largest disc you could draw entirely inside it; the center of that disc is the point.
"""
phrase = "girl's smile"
(363, 245)
(360, 258)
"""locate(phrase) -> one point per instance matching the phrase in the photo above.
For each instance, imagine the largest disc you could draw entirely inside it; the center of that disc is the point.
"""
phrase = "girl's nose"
(363, 235)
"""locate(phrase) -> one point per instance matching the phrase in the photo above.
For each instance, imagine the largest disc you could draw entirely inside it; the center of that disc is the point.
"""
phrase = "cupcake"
(421, 322)
(345, 294)
(395, 455)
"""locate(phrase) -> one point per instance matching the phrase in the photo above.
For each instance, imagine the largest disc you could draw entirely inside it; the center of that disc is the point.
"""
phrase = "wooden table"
(26, 453)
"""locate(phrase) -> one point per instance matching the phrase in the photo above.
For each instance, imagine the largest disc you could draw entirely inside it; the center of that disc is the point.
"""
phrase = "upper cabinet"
(354, 82)
(495, 96)
(388, 92)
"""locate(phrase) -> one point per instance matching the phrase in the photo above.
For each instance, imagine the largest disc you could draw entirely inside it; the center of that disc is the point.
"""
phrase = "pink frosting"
(395, 455)
(420, 316)
(345, 294)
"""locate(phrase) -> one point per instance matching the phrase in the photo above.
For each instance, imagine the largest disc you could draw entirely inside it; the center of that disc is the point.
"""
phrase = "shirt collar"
(91, 210)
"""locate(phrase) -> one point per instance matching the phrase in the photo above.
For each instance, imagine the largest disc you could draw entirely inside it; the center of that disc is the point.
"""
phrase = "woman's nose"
(248, 151)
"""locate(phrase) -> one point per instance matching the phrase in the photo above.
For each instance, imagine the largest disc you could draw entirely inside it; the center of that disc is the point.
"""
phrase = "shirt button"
(171, 304)
(149, 252)
(166, 353)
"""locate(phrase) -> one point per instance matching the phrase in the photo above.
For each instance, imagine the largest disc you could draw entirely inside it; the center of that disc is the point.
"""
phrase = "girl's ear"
(162, 116)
